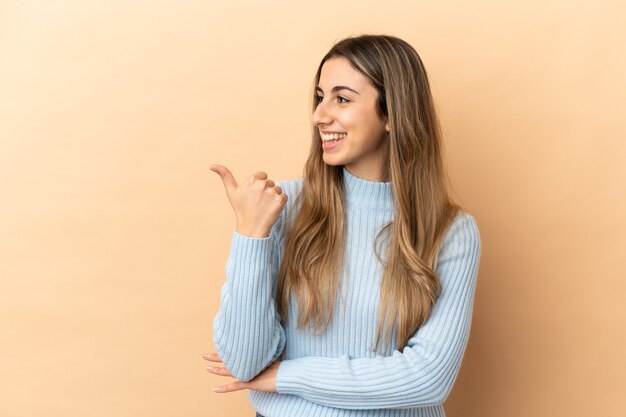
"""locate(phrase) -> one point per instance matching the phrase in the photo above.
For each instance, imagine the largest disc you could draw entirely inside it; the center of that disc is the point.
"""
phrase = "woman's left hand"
(265, 381)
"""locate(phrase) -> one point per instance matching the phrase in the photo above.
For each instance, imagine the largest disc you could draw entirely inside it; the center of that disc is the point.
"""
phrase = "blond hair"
(423, 210)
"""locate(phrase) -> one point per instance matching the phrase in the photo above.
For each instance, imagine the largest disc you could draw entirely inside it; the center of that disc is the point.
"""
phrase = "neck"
(375, 176)
(363, 193)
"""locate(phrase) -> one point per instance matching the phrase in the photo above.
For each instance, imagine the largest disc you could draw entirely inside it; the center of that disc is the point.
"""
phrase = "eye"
(340, 99)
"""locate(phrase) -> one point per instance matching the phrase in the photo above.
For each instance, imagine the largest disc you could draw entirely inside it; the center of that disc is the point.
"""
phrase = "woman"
(350, 290)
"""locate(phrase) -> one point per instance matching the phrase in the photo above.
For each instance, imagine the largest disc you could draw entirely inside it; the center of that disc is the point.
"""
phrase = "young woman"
(349, 291)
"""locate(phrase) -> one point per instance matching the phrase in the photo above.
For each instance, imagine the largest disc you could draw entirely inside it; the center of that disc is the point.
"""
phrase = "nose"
(321, 116)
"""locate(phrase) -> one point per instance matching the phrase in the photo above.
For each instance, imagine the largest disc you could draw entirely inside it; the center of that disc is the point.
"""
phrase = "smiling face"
(346, 112)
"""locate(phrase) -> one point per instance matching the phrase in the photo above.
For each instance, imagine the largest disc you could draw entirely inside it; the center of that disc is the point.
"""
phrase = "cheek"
(349, 120)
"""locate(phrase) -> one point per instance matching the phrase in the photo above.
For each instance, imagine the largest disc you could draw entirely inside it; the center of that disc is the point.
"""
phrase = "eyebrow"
(337, 88)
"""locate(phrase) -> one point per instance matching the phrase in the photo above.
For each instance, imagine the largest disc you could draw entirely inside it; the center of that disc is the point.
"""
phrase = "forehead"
(338, 71)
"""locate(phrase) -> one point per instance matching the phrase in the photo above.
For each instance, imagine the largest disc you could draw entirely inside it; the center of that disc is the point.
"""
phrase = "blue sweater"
(337, 374)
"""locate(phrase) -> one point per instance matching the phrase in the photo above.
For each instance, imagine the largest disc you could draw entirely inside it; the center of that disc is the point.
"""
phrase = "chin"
(332, 162)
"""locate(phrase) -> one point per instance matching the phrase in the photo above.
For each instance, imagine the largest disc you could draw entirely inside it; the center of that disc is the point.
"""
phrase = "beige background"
(114, 233)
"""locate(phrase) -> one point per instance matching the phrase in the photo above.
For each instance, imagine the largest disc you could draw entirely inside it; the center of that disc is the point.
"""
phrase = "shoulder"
(465, 226)
(462, 236)
(459, 255)
(291, 187)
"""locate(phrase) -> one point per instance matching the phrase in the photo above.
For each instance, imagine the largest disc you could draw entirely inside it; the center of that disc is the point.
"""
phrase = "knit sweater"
(337, 374)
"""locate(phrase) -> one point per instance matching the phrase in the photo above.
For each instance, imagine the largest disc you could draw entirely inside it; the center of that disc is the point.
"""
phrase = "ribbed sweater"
(337, 374)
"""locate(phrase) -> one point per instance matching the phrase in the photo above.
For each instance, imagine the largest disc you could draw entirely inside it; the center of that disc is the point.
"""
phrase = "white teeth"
(332, 137)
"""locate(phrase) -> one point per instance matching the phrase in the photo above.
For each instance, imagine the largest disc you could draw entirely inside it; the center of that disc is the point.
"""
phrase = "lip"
(333, 145)
(326, 132)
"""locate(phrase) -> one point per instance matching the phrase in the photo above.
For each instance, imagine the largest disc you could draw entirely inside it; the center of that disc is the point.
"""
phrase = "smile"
(332, 137)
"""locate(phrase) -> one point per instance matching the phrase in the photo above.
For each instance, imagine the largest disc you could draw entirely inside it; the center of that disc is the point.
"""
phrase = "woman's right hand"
(257, 202)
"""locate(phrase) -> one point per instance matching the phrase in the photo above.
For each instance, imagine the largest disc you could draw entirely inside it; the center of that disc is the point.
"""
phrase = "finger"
(235, 386)
(260, 175)
(219, 371)
(278, 189)
(213, 359)
(269, 183)
(227, 177)
(210, 355)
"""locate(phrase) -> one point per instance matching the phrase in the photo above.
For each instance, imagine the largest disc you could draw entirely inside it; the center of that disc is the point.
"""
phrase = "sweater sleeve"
(247, 332)
(424, 372)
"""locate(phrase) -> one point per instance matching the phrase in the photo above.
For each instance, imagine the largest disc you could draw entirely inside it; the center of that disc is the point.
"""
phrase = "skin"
(257, 201)
(364, 150)
(265, 381)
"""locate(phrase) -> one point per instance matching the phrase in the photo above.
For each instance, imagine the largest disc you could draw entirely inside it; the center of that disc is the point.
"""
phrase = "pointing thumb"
(226, 175)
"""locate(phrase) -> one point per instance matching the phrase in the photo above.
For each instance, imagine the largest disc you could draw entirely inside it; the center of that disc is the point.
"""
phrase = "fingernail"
(218, 389)
(210, 368)
(205, 356)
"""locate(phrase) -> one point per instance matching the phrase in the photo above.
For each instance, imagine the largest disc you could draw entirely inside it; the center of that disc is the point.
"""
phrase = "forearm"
(403, 380)
(421, 373)
(248, 335)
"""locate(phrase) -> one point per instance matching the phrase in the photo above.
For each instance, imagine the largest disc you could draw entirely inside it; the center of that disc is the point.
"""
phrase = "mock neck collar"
(367, 194)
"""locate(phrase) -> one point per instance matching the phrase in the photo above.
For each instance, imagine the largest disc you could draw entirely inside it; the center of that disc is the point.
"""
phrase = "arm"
(424, 372)
(247, 332)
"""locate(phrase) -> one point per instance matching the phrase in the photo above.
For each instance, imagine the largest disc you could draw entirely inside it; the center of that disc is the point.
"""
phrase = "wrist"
(252, 232)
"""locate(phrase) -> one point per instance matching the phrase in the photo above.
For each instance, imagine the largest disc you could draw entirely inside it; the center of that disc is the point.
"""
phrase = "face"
(346, 111)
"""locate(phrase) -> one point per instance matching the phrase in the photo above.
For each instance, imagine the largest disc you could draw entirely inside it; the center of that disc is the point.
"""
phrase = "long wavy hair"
(423, 210)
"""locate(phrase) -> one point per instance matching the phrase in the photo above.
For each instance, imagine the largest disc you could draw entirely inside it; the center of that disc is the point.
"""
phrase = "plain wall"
(114, 233)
